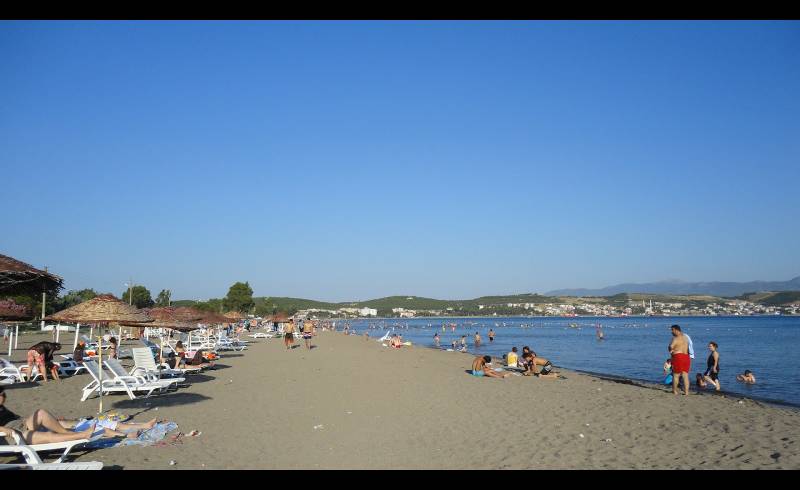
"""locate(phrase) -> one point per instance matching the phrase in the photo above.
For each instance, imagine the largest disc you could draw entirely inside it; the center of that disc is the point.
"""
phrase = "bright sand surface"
(351, 403)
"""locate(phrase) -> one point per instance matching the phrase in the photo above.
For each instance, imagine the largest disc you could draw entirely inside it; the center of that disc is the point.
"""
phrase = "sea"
(633, 348)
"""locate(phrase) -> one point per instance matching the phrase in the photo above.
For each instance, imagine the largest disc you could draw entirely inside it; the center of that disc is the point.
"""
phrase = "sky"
(354, 160)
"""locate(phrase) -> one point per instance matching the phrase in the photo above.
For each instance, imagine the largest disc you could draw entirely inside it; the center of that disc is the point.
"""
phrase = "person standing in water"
(681, 362)
(712, 366)
(436, 339)
(491, 335)
(477, 340)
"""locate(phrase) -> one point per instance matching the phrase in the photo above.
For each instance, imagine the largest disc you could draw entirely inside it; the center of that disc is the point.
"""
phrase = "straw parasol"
(211, 317)
(170, 317)
(279, 318)
(234, 315)
(101, 309)
(19, 278)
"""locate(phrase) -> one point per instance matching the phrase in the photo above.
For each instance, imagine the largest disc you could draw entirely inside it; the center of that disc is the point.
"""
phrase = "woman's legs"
(44, 419)
(36, 437)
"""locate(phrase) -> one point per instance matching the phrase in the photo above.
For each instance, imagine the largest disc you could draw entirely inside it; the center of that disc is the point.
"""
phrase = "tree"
(239, 298)
(163, 298)
(141, 297)
(73, 298)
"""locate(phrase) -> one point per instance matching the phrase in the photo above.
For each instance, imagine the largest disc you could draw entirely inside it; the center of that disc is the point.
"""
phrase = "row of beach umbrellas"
(106, 308)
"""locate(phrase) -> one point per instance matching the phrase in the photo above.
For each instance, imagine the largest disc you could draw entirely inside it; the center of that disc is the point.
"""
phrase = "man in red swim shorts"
(681, 362)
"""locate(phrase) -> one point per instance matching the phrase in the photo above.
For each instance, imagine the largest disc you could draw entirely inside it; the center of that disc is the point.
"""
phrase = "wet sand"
(351, 403)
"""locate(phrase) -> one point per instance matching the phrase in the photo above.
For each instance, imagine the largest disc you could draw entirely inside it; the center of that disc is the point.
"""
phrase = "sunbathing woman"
(480, 369)
(197, 360)
(43, 428)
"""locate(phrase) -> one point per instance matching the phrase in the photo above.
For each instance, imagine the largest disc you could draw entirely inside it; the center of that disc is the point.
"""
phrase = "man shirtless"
(477, 339)
(288, 334)
(480, 370)
(307, 333)
(681, 362)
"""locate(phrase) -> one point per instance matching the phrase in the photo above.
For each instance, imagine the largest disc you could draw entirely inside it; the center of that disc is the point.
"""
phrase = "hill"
(722, 289)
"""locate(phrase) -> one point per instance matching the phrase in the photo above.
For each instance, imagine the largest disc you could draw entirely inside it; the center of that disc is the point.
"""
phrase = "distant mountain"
(725, 289)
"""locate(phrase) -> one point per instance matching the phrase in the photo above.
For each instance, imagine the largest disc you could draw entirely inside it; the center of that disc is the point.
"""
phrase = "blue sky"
(353, 160)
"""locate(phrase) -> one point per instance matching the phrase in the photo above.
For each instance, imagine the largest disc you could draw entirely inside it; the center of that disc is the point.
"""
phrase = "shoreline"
(643, 383)
(353, 404)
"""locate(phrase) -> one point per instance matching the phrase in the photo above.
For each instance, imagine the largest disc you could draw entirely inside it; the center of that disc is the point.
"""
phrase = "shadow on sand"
(170, 399)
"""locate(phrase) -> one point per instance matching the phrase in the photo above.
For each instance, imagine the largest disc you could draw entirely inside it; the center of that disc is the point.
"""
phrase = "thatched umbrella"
(163, 320)
(19, 278)
(234, 315)
(101, 309)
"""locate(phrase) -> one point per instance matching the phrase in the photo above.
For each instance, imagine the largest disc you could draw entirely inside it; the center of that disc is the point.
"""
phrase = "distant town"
(576, 308)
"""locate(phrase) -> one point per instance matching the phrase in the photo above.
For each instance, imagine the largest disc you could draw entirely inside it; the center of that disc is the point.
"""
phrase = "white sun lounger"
(28, 449)
(9, 373)
(113, 385)
(119, 373)
(145, 365)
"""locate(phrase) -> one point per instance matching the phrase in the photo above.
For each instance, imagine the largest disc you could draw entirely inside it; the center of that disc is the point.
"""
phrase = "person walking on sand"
(712, 366)
(307, 333)
(681, 362)
(491, 335)
(288, 334)
(477, 340)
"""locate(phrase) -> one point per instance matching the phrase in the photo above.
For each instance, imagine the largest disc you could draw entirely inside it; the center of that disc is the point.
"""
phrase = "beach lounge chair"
(9, 373)
(120, 373)
(224, 343)
(31, 449)
(145, 364)
(114, 385)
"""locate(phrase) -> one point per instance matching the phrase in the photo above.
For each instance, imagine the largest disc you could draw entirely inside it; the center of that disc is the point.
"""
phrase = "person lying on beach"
(42, 427)
(480, 368)
(747, 377)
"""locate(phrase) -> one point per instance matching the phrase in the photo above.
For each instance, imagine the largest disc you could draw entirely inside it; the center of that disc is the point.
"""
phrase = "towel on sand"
(148, 437)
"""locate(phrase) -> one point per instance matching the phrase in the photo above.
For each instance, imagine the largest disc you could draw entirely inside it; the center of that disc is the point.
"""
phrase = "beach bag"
(546, 369)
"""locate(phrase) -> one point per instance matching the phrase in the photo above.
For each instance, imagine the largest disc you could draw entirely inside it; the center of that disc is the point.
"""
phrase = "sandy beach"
(350, 403)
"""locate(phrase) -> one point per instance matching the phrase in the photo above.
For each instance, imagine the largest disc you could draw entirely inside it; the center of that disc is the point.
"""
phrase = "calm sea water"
(633, 348)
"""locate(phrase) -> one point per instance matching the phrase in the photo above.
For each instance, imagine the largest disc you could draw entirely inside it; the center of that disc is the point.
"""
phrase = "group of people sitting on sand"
(530, 365)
